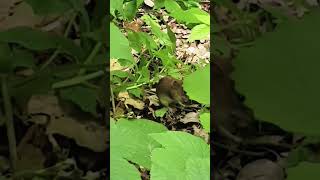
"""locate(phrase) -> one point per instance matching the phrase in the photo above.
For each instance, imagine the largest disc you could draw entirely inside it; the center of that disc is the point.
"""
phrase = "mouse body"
(170, 91)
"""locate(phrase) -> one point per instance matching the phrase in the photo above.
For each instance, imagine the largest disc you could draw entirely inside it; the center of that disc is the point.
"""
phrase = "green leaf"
(197, 85)
(119, 44)
(85, 98)
(137, 92)
(130, 9)
(192, 15)
(22, 58)
(120, 168)
(172, 161)
(130, 139)
(279, 75)
(205, 121)
(168, 60)
(50, 7)
(155, 28)
(161, 112)
(38, 40)
(304, 170)
(116, 5)
(139, 40)
(199, 32)
(198, 168)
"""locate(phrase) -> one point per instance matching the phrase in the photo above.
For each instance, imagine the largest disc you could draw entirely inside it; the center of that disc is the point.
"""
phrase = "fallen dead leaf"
(190, 117)
(201, 133)
(136, 103)
(68, 122)
(88, 134)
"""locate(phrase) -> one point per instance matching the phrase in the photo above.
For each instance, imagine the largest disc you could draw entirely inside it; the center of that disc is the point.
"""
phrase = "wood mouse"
(170, 92)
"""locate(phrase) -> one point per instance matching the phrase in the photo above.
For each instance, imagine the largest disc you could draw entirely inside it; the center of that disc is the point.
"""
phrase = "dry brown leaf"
(87, 134)
(136, 103)
(190, 117)
(149, 3)
(201, 133)
(68, 122)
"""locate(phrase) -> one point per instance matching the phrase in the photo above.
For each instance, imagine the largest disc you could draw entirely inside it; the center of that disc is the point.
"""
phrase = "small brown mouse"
(169, 91)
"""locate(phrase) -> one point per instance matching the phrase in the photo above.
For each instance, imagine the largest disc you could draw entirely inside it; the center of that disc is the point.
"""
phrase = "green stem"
(9, 123)
(52, 57)
(90, 57)
(77, 80)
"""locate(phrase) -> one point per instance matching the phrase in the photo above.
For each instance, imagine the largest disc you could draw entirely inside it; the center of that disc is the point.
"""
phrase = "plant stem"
(113, 103)
(90, 57)
(9, 123)
(77, 80)
(52, 57)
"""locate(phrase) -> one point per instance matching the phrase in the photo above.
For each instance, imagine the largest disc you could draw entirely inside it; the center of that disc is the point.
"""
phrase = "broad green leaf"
(199, 32)
(49, 7)
(192, 15)
(130, 139)
(137, 92)
(201, 15)
(279, 75)
(197, 85)
(130, 9)
(172, 160)
(205, 121)
(119, 44)
(198, 168)
(304, 170)
(85, 98)
(120, 168)
(38, 40)
(140, 40)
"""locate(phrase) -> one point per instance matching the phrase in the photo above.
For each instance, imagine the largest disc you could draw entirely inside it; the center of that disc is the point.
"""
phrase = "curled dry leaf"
(190, 117)
(136, 103)
(72, 124)
(15, 13)
(149, 3)
(153, 100)
(201, 133)
(89, 134)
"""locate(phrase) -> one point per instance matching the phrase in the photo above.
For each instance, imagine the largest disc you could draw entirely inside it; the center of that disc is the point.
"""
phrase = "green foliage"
(190, 16)
(161, 112)
(130, 139)
(197, 85)
(50, 7)
(118, 163)
(182, 156)
(199, 32)
(304, 170)
(278, 75)
(75, 94)
(205, 121)
(39, 41)
(120, 49)
(136, 141)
